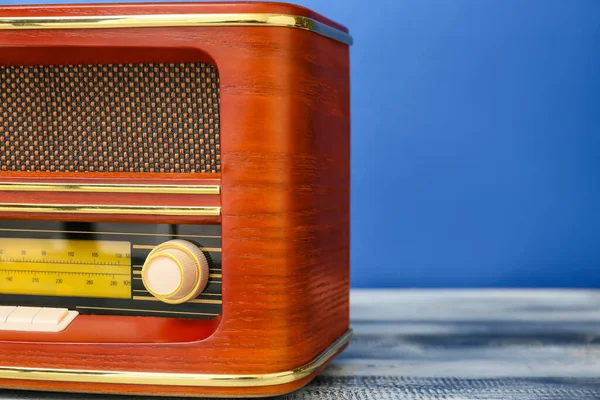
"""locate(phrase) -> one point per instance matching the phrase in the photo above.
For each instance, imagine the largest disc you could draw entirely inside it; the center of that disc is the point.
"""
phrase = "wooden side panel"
(286, 192)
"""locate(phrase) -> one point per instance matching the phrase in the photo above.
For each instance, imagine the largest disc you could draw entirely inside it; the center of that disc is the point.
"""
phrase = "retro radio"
(174, 197)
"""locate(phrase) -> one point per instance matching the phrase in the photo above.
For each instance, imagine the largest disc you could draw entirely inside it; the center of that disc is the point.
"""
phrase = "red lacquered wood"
(285, 204)
(119, 329)
(115, 199)
(45, 55)
(150, 219)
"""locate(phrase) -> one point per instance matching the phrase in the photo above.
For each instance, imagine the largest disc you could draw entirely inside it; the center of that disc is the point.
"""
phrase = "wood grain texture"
(285, 153)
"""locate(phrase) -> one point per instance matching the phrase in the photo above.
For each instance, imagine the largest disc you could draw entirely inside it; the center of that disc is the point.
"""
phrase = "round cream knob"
(175, 272)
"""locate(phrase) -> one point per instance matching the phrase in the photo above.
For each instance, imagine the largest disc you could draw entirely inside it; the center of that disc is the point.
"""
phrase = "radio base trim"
(175, 379)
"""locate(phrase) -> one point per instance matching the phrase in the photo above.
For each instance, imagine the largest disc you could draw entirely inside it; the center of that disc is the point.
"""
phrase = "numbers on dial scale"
(58, 267)
(52, 282)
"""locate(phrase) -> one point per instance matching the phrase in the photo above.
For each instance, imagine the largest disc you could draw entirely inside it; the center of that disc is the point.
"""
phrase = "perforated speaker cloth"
(148, 118)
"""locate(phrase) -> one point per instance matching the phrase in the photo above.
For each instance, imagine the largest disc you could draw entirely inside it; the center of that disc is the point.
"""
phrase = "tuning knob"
(175, 272)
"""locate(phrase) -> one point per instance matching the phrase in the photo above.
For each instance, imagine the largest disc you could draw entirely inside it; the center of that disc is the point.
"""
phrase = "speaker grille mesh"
(110, 118)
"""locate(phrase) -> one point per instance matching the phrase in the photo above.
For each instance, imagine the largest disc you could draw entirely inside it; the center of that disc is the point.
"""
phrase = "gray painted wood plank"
(458, 344)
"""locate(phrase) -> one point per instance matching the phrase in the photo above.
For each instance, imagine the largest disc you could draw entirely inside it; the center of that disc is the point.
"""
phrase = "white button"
(5, 312)
(35, 319)
(22, 315)
(51, 316)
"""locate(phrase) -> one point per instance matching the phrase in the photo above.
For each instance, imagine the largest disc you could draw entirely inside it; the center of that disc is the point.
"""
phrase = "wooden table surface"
(474, 344)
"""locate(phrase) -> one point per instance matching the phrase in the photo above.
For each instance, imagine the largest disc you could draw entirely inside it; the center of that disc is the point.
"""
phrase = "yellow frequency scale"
(64, 267)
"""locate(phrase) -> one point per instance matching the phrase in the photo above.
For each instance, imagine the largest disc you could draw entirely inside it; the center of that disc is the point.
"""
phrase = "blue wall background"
(476, 141)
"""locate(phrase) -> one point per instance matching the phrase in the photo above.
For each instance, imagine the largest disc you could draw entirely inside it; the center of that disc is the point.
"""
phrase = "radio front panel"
(96, 268)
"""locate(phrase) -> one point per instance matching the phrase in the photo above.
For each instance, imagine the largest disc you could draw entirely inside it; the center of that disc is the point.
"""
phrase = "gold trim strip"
(141, 266)
(111, 209)
(151, 247)
(198, 301)
(173, 379)
(147, 311)
(110, 233)
(175, 20)
(108, 188)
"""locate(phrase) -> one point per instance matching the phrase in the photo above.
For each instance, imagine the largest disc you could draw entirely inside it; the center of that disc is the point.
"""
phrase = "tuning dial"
(175, 272)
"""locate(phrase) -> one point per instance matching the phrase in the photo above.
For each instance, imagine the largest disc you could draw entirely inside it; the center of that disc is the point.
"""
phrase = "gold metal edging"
(111, 209)
(107, 188)
(173, 379)
(175, 20)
